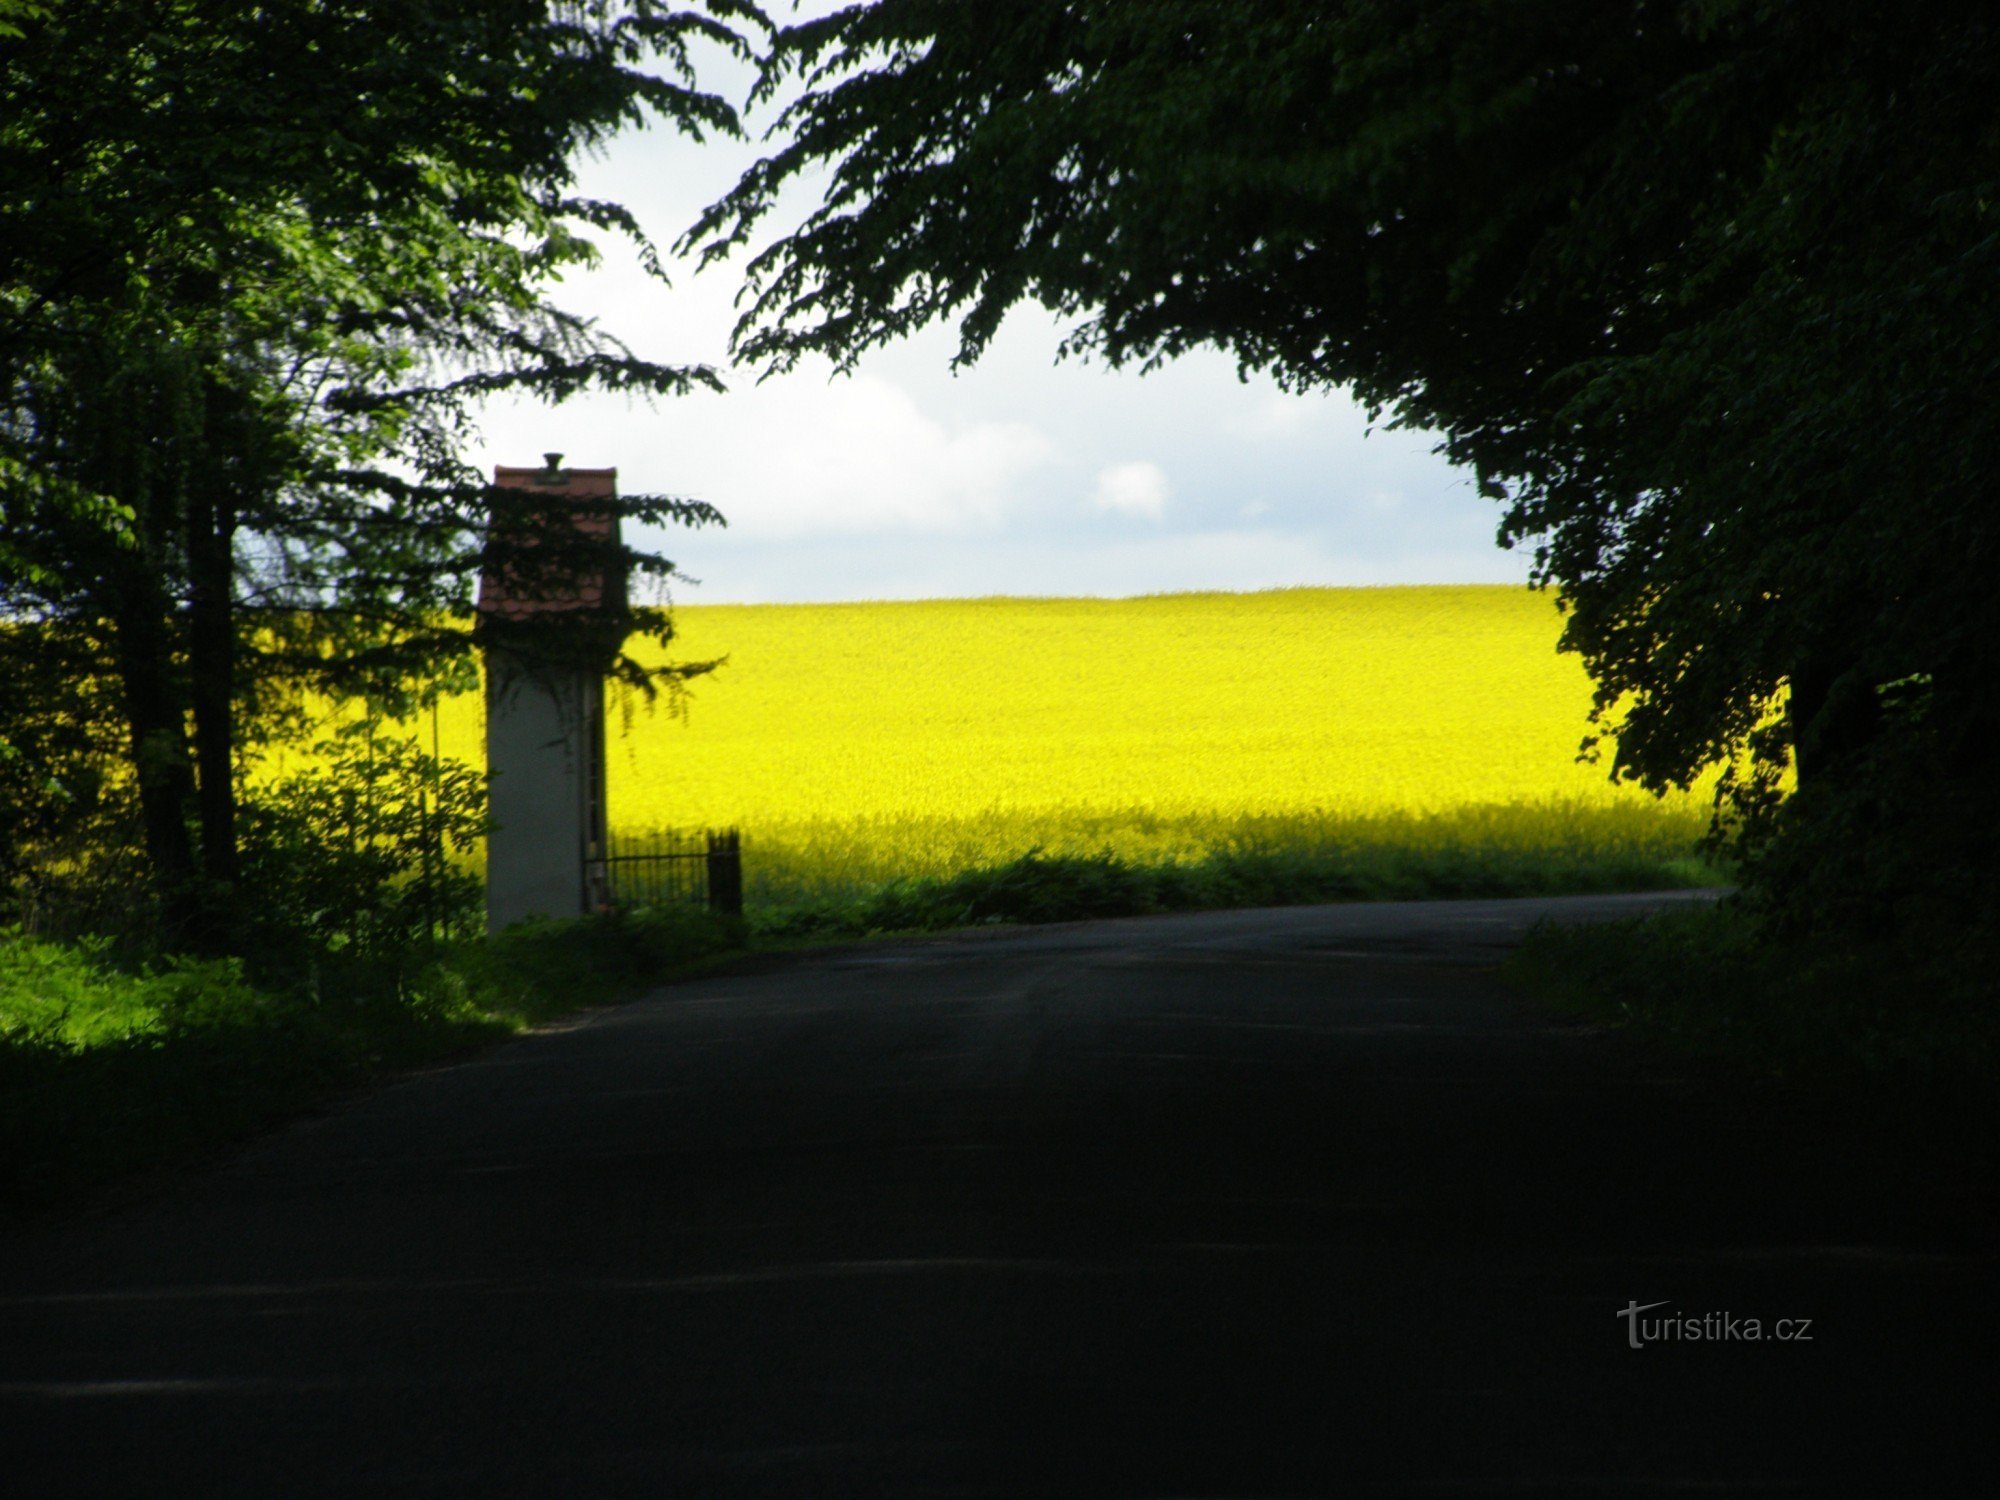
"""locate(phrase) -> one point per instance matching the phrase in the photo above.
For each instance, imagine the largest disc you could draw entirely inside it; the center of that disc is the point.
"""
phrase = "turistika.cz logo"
(1712, 1328)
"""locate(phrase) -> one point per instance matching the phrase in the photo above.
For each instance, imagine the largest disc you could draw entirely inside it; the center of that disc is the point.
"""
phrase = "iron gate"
(667, 868)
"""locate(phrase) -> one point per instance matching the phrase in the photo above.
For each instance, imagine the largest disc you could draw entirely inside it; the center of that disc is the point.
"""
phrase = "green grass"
(1529, 847)
(1044, 886)
(1907, 1024)
(107, 1072)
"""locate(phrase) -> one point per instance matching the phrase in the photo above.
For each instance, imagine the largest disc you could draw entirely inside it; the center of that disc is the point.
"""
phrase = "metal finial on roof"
(553, 460)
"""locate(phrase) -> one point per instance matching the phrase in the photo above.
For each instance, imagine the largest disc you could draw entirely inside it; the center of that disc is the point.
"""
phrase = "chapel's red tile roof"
(498, 595)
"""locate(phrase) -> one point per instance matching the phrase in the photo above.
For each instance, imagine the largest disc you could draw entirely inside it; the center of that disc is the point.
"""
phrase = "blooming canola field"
(855, 742)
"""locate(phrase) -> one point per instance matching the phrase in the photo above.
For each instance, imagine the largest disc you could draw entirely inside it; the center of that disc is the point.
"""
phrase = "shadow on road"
(1281, 1202)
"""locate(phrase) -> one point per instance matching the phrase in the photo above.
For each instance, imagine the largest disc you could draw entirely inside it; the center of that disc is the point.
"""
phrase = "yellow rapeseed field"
(855, 742)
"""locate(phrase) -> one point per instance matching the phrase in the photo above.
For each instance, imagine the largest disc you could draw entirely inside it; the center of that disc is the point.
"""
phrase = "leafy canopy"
(258, 261)
(1701, 289)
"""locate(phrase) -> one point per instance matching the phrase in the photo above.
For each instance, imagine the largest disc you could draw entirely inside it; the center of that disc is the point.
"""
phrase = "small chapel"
(551, 604)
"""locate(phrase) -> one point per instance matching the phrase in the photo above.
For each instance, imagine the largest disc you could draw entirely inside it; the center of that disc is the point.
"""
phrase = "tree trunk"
(212, 675)
(156, 725)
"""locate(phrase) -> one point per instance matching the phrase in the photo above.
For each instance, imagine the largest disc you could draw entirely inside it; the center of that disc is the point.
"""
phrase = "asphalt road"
(1255, 1203)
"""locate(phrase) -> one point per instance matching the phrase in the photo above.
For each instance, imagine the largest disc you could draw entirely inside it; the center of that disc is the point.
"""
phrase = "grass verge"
(1904, 1028)
(1040, 887)
(803, 862)
(107, 1072)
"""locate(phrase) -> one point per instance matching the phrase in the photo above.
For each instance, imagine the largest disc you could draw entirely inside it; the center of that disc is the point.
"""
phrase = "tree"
(256, 261)
(1702, 289)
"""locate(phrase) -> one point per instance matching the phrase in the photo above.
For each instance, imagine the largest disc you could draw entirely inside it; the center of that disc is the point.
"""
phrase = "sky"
(1019, 476)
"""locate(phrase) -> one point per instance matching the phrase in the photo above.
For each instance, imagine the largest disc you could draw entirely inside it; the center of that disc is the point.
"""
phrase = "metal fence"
(659, 869)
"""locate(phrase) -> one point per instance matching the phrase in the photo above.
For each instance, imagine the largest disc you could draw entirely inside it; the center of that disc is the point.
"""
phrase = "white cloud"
(1014, 476)
(1132, 489)
(859, 456)
(1276, 415)
(795, 460)
(1165, 561)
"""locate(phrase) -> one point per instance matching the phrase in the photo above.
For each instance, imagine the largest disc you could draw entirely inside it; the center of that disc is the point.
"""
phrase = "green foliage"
(64, 814)
(14, 12)
(538, 969)
(1551, 845)
(1701, 292)
(1040, 887)
(246, 307)
(105, 1069)
(1899, 1015)
(108, 1070)
(1034, 888)
(367, 855)
(65, 994)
